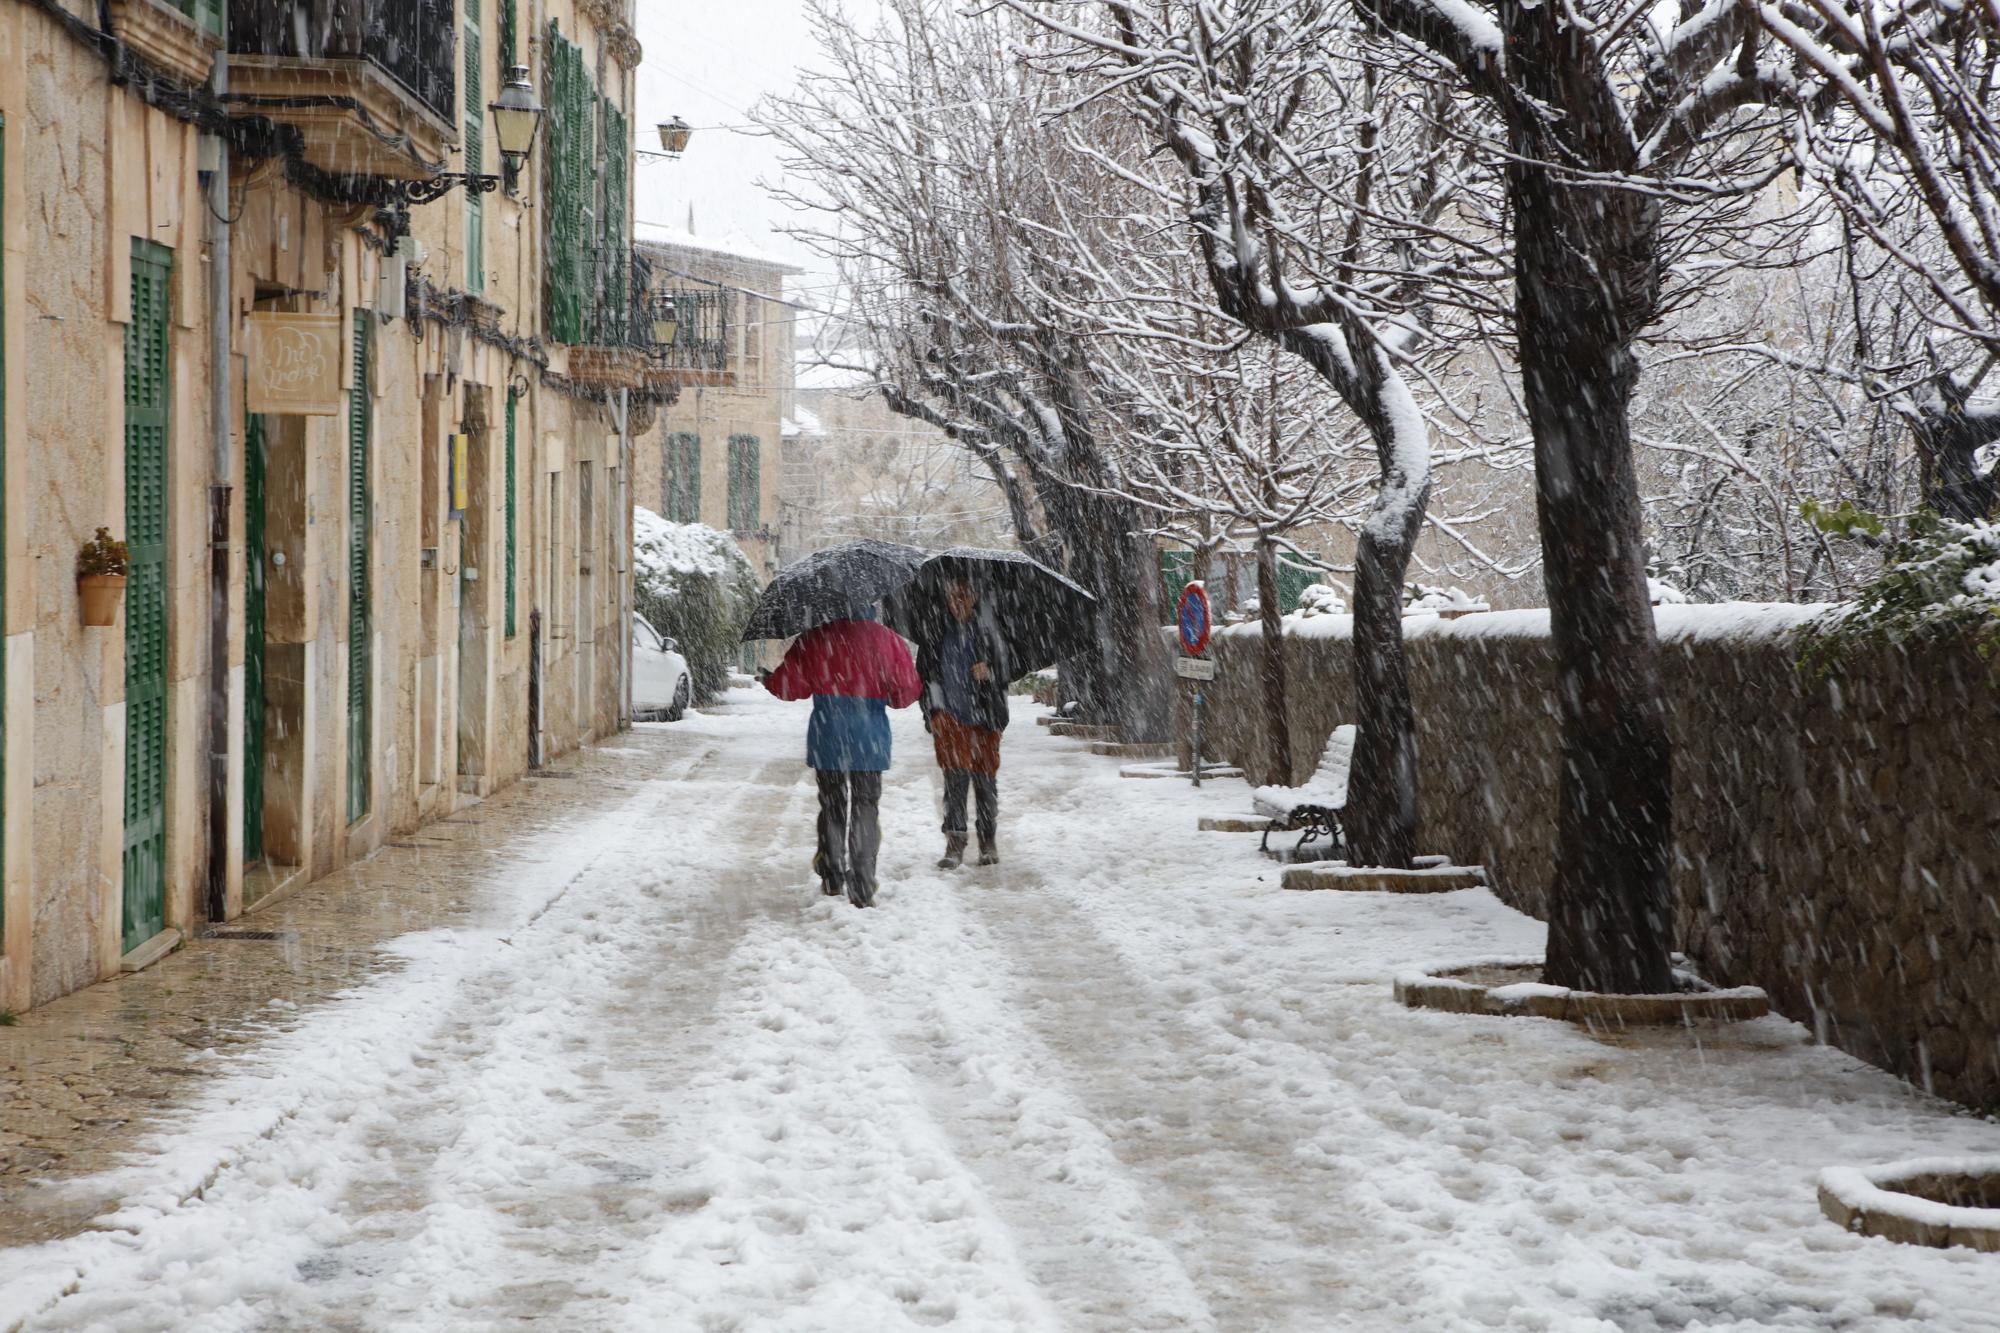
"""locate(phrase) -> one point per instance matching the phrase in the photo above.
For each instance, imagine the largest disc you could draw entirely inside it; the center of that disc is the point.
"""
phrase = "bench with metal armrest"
(1313, 808)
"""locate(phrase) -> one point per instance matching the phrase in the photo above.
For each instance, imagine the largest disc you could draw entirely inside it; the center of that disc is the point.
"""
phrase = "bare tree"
(1318, 211)
(919, 155)
(1897, 123)
(1620, 143)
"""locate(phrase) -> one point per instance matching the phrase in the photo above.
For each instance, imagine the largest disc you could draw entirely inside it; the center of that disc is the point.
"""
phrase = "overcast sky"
(709, 63)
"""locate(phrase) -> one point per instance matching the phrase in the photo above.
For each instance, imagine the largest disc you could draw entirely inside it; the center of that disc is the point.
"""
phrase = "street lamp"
(666, 320)
(674, 136)
(517, 118)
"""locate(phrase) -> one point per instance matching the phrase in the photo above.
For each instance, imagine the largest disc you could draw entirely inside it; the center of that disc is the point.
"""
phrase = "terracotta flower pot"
(100, 594)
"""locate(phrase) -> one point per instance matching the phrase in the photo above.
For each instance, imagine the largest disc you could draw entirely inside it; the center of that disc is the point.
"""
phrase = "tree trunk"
(1277, 719)
(1587, 266)
(1381, 816)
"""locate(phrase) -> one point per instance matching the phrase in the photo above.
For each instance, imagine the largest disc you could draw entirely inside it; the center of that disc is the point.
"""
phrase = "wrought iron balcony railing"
(699, 323)
(414, 42)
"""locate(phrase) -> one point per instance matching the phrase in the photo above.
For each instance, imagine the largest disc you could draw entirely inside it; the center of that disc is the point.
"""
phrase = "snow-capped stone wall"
(1837, 838)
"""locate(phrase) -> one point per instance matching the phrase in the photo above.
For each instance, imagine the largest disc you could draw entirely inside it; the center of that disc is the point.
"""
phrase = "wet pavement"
(85, 1079)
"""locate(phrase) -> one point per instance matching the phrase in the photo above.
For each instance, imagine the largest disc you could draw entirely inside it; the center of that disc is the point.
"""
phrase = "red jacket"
(854, 659)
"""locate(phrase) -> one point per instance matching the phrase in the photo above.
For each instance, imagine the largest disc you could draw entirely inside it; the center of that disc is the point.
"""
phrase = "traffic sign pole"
(1194, 626)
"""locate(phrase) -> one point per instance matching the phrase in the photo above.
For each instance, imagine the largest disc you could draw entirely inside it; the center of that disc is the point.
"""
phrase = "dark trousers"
(850, 825)
(986, 787)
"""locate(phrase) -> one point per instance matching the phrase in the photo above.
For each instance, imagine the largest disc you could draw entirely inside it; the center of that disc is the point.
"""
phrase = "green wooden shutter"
(475, 155)
(147, 391)
(683, 497)
(206, 13)
(615, 239)
(567, 254)
(745, 503)
(512, 511)
(360, 618)
(254, 621)
(510, 54)
(583, 155)
(559, 245)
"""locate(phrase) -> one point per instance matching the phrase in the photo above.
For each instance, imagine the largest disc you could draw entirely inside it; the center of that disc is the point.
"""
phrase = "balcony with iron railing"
(637, 335)
(371, 84)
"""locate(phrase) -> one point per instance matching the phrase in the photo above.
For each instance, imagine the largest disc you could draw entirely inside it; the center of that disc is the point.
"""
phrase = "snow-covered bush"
(1422, 598)
(1320, 599)
(1941, 579)
(693, 585)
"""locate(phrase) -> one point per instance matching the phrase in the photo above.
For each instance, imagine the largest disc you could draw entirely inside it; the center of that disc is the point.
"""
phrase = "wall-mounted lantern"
(517, 119)
(674, 134)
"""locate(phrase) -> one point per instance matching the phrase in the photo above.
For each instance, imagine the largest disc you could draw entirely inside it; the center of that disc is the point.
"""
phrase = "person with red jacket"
(854, 671)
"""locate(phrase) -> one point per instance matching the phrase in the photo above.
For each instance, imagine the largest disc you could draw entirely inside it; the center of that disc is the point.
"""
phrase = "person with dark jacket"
(853, 670)
(965, 675)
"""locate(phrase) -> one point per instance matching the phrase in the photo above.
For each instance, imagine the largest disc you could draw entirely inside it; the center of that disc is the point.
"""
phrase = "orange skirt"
(974, 749)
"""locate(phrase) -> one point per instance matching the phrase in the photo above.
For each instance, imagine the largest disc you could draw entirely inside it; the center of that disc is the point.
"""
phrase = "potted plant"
(100, 578)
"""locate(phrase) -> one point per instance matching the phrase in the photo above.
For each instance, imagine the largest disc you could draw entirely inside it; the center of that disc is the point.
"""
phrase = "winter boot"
(828, 885)
(954, 852)
(989, 853)
(861, 892)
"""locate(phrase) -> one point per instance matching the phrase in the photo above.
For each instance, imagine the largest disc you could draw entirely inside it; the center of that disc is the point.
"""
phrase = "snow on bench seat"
(1326, 787)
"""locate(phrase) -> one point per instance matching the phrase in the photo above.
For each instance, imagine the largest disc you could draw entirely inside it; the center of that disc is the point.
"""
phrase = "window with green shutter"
(614, 239)
(360, 608)
(510, 55)
(475, 155)
(683, 478)
(571, 188)
(745, 512)
(512, 511)
(206, 13)
(148, 391)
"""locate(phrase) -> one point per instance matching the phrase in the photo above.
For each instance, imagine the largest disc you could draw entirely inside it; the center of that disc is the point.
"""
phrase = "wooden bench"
(1314, 807)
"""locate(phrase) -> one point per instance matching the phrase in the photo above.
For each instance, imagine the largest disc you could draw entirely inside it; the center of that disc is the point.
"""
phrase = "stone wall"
(1837, 840)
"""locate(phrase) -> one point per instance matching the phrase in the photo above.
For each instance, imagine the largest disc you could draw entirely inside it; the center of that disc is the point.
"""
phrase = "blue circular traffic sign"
(1194, 618)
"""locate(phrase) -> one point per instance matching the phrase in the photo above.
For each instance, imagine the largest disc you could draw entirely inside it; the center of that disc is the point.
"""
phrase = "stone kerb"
(1932, 1201)
(1835, 839)
(1512, 987)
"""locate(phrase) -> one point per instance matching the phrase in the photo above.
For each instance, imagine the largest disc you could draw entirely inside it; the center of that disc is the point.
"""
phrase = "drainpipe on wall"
(626, 608)
(219, 404)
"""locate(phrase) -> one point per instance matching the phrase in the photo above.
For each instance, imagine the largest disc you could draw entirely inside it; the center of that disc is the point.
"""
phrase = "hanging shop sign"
(293, 364)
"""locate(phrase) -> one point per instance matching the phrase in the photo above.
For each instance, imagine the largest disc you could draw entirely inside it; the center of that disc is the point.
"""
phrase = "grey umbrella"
(835, 584)
(1039, 615)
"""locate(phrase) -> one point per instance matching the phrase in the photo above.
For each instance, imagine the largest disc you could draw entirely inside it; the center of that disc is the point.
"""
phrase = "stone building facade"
(716, 455)
(380, 566)
(854, 468)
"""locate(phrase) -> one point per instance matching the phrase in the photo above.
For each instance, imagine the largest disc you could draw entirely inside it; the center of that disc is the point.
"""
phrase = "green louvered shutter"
(583, 168)
(745, 502)
(510, 54)
(146, 418)
(556, 259)
(617, 229)
(254, 621)
(475, 155)
(566, 253)
(684, 477)
(360, 618)
(512, 512)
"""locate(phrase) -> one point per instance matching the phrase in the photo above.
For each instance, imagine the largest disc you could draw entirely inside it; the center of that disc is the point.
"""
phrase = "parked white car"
(661, 687)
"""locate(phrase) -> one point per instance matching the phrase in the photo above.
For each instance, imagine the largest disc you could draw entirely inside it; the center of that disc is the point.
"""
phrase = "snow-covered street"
(1121, 1082)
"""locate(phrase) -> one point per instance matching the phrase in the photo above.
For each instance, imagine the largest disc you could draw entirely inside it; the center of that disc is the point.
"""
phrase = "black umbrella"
(835, 584)
(1040, 616)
